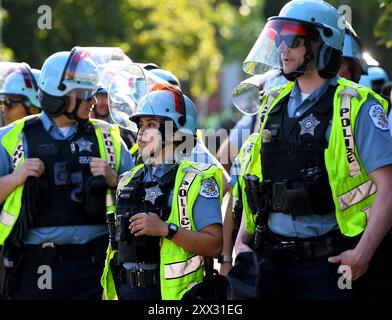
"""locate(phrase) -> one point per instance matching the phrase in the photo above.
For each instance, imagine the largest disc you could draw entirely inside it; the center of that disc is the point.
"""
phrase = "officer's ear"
(71, 102)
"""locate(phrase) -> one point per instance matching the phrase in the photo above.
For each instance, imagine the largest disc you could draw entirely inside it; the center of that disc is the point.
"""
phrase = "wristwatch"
(223, 258)
(173, 228)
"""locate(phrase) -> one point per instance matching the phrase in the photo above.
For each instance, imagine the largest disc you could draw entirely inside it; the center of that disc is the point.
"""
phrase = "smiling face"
(85, 106)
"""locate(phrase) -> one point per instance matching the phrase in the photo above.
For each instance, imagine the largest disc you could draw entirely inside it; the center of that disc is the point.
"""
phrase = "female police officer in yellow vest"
(322, 153)
(168, 211)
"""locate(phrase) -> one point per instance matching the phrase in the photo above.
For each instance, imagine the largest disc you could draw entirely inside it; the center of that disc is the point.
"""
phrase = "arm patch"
(209, 189)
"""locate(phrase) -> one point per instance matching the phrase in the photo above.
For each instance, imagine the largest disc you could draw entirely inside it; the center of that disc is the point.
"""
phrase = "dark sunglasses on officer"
(7, 104)
(85, 95)
(291, 41)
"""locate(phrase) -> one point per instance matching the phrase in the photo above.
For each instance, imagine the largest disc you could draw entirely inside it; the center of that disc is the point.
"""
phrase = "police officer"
(19, 94)
(376, 77)
(168, 210)
(101, 111)
(323, 148)
(57, 170)
(353, 64)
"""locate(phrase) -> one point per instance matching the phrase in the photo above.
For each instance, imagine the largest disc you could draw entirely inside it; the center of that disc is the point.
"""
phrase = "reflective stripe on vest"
(345, 111)
(182, 200)
(18, 155)
(356, 195)
(7, 218)
(183, 268)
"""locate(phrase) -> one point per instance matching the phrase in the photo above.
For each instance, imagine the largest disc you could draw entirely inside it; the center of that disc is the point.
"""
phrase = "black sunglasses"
(8, 103)
(291, 40)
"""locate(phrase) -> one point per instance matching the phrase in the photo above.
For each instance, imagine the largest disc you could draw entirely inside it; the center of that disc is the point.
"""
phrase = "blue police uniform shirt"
(206, 210)
(242, 130)
(61, 234)
(374, 146)
(235, 171)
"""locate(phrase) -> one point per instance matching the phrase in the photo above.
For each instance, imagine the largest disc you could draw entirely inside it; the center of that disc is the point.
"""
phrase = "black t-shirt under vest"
(67, 193)
(137, 197)
(295, 152)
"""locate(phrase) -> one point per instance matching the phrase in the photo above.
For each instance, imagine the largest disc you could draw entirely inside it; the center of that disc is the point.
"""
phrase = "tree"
(187, 37)
(384, 23)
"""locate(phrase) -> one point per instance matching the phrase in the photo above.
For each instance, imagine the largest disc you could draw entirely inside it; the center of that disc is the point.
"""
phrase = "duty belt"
(141, 278)
(49, 252)
(300, 249)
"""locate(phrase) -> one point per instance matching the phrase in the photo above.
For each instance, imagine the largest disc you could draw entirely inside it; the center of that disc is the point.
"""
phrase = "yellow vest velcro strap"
(7, 218)
(356, 195)
(182, 200)
(183, 268)
(354, 167)
(350, 92)
(18, 155)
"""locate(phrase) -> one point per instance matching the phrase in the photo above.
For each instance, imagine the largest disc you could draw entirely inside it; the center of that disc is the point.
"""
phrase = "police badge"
(152, 194)
(308, 124)
(84, 145)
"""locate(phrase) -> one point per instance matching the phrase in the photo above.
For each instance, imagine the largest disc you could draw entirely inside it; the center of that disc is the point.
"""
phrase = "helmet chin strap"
(74, 113)
(309, 56)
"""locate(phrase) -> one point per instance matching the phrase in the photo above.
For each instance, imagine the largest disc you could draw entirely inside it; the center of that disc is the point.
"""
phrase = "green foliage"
(384, 23)
(188, 37)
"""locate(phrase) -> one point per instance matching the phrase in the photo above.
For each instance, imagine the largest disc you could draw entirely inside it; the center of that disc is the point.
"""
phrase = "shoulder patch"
(209, 189)
(379, 117)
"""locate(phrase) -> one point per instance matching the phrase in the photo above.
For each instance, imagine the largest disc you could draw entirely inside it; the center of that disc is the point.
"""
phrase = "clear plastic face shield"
(84, 71)
(247, 94)
(127, 88)
(276, 44)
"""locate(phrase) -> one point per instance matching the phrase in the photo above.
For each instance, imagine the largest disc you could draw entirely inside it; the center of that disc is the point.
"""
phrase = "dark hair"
(386, 90)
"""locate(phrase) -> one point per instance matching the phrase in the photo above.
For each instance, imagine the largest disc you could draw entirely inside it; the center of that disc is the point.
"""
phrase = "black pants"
(378, 278)
(313, 279)
(302, 270)
(66, 278)
(126, 292)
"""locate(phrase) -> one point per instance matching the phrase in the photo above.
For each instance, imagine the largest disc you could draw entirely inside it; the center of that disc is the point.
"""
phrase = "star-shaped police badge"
(308, 124)
(84, 145)
(152, 194)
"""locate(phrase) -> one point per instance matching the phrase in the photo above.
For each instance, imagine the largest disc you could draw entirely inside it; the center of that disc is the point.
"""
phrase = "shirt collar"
(50, 126)
(296, 93)
(158, 171)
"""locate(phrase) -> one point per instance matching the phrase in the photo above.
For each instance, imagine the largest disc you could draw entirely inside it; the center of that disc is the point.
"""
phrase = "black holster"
(95, 188)
(10, 265)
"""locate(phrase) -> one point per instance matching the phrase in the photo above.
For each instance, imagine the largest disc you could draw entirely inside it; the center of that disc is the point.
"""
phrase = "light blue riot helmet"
(377, 76)
(310, 20)
(76, 73)
(167, 76)
(353, 48)
(101, 90)
(23, 82)
(168, 103)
